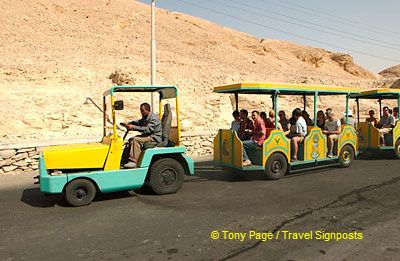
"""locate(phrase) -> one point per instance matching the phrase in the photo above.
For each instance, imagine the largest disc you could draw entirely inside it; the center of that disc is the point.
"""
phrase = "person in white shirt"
(235, 125)
(300, 131)
(332, 130)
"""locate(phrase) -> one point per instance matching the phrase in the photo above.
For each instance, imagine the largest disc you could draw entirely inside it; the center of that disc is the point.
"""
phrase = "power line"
(315, 24)
(336, 19)
(341, 18)
(286, 32)
(375, 43)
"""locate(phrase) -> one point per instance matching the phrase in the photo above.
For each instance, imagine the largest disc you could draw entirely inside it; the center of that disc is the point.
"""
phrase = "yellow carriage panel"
(396, 132)
(348, 136)
(276, 142)
(315, 145)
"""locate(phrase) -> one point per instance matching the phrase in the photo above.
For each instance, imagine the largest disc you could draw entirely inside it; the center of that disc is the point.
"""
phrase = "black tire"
(276, 166)
(166, 176)
(80, 192)
(397, 149)
(346, 156)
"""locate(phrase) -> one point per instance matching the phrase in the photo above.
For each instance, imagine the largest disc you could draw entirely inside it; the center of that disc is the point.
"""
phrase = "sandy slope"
(56, 54)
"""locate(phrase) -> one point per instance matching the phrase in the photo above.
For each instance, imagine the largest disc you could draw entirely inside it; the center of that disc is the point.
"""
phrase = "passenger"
(292, 129)
(245, 124)
(332, 130)
(300, 131)
(258, 137)
(284, 121)
(385, 125)
(321, 120)
(351, 121)
(372, 119)
(271, 121)
(235, 125)
(306, 117)
(150, 127)
(263, 116)
(395, 114)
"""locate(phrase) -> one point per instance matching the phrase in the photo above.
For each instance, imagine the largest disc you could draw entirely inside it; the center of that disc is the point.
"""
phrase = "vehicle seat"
(166, 128)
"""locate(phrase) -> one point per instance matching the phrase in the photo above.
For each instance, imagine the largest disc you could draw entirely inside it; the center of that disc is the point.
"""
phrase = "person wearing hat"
(351, 121)
(332, 130)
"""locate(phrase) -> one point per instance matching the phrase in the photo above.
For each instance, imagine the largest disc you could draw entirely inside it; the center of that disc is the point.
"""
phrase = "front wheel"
(166, 176)
(397, 149)
(276, 166)
(346, 156)
(80, 192)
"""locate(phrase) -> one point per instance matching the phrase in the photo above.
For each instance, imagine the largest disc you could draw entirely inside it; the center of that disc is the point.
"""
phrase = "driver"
(150, 127)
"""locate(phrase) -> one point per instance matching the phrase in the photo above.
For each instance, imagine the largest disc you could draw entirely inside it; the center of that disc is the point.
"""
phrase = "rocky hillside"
(57, 57)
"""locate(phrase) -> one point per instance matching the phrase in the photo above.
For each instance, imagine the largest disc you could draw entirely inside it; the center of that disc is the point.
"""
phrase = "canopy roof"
(166, 92)
(378, 94)
(284, 88)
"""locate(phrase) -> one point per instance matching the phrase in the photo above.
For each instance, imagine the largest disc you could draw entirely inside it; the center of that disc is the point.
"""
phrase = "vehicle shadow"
(205, 171)
(377, 155)
(34, 198)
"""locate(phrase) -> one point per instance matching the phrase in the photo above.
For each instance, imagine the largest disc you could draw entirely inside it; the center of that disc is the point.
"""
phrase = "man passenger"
(258, 137)
(245, 124)
(351, 120)
(395, 114)
(284, 121)
(150, 127)
(332, 130)
(385, 124)
(372, 118)
(300, 131)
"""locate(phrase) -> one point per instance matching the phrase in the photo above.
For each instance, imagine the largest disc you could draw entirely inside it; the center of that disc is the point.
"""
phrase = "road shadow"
(34, 198)
(377, 155)
(205, 171)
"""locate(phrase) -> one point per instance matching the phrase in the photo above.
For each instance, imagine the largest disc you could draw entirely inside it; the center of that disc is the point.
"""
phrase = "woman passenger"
(371, 118)
(321, 120)
(306, 117)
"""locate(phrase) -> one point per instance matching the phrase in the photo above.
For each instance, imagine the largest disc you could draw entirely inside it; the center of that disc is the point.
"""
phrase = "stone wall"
(16, 158)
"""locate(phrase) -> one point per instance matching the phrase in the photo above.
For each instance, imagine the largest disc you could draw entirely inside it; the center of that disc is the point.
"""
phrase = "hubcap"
(346, 155)
(276, 166)
(80, 193)
(168, 177)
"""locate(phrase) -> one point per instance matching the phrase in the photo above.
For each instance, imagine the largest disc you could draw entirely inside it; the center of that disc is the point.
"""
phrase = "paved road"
(363, 198)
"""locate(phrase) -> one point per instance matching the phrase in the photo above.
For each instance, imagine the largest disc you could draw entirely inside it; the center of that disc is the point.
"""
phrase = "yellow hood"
(76, 156)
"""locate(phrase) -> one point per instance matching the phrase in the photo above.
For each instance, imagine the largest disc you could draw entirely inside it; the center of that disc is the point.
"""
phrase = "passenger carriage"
(369, 137)
(274, 156)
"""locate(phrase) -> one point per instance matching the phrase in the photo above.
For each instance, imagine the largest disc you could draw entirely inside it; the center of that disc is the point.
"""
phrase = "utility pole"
(153, 49)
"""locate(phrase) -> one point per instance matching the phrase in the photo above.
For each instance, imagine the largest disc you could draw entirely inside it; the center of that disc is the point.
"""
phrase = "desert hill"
(57, 57)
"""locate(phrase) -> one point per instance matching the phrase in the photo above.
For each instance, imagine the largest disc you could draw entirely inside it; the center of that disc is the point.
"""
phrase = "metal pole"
(237, 101)
(358, 110)
(153, 49)
(347, 108)
(315, 108)
(275, 99)
(304, 102)
(380, 108)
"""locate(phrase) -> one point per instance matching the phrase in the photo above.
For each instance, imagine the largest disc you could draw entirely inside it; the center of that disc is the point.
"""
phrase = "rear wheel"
(397, 149)
(346, 156)
(166, 176)
(276, 166)
(80, 192)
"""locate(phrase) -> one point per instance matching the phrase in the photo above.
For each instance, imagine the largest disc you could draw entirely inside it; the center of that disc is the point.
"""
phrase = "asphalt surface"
(364, 198)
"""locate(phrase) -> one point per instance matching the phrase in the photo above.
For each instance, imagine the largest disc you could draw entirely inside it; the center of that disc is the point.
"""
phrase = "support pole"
(275, 99)
(398, 106)
(315, 108)
(236, 101)
(380, 108)
(358, 110)
(153, 49)
(347, 108)
(304, 102)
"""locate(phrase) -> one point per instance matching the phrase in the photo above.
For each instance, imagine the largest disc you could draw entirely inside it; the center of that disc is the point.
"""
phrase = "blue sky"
(338, 24)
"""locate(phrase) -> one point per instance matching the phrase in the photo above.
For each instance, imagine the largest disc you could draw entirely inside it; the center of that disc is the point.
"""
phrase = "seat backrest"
(166, 124)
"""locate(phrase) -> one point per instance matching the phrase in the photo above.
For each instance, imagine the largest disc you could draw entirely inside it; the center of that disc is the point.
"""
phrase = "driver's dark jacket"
(150, 125)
